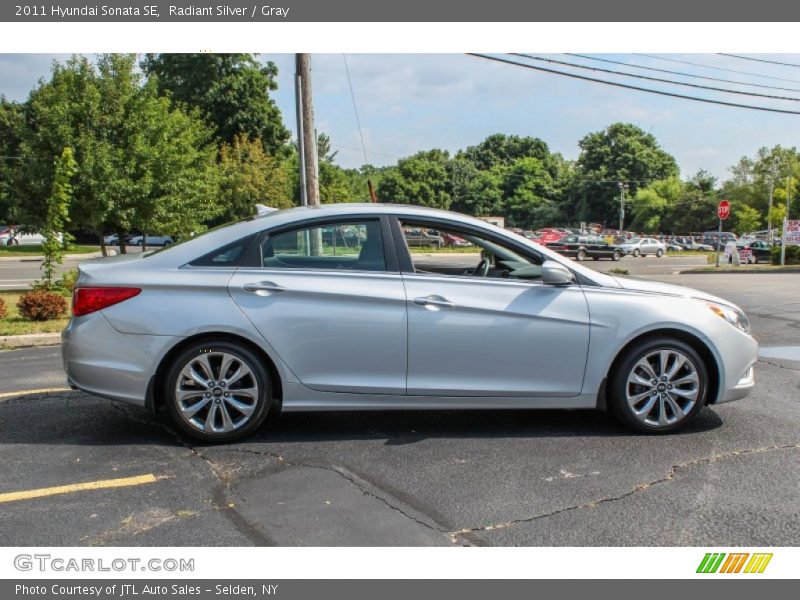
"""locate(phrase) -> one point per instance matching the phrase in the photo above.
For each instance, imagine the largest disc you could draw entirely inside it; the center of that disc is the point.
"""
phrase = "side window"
(444, 251)
(228, 256)
(354, 246)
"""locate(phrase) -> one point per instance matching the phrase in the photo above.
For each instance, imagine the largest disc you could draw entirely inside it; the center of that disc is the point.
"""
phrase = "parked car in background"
(718, 240)
(758, 250)
(583, 247)
(422, 237)
(11, 236)
(152, 240)
(453, 241)
(643, 247)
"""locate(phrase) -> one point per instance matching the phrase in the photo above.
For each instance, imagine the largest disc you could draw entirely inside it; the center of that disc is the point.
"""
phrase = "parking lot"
(731, 478)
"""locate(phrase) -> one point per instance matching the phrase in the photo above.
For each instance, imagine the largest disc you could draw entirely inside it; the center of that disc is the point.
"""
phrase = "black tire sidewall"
(617, 404)
(256, 365)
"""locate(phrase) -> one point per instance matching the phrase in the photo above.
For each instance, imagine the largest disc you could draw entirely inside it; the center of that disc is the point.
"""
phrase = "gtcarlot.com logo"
(735, 562)
(46, 562)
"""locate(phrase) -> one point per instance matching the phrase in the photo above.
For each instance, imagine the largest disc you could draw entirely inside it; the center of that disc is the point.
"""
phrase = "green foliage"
(58, 204)
(249, 176)
(41, 305)
(11, 125)
(231, 91)
(621, 152)
(141, 163)
(792, 256)
(777, 214)
(747, 219)
(420, 179)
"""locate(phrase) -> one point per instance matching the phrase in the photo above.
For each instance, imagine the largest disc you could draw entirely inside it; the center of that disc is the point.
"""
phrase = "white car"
(11, 237)
(643, 247)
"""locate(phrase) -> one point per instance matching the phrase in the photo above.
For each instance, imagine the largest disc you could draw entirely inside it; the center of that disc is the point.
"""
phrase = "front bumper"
(100, 360)
(737, 356)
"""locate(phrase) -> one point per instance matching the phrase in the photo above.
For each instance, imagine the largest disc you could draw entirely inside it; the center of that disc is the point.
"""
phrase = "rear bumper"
(102, 361)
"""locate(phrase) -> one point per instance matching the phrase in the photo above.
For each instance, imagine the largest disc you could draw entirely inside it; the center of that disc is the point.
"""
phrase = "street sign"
(792, 234)
(724, 209)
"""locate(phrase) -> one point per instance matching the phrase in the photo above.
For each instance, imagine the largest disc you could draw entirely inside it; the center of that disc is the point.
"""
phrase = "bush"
(68, 280)
(792, 255)
(2, 308)
(40, 305)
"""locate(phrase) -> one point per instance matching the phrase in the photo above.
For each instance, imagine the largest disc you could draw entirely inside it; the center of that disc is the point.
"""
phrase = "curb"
(29, 340)
(740, 271)
(38, 258)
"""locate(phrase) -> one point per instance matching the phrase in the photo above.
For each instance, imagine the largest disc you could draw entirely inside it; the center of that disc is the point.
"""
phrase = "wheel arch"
(155, 400)
(698, 344)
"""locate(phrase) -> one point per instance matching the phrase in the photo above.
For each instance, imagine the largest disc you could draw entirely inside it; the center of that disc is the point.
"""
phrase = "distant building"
(499, 221)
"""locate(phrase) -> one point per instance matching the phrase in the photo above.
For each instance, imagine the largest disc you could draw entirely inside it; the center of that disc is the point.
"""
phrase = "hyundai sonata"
(327, 308)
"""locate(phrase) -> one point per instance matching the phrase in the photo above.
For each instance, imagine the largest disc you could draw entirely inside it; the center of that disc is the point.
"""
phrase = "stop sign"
(724, 209)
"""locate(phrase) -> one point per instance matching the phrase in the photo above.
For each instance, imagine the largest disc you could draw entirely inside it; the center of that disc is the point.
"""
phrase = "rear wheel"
(658, 386)
(217, 391)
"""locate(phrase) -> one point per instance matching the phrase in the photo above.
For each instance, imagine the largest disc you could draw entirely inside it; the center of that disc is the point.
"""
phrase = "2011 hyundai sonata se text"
(326, 308)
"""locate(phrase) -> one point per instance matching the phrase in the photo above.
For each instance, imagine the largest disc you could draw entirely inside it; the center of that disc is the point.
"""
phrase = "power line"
(761, 60)
(355, 109)
(634, 87)
(656, 79)
(682, 74)
(702, 66)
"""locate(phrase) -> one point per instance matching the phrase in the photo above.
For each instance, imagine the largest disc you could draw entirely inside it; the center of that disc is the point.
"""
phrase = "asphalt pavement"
(732, 478)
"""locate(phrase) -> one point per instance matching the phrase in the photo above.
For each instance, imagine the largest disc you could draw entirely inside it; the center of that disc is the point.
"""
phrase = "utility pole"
(769, 206)
(786, 217)
(309, 168)
(622, 188)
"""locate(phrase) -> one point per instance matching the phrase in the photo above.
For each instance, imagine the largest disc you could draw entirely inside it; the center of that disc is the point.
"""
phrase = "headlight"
(735, 317)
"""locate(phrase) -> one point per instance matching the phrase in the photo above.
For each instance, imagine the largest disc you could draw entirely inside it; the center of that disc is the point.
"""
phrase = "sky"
(412, 102)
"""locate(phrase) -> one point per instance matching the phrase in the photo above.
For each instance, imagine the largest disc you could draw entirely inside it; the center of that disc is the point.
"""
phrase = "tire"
(140, 243)
(616, 256)
(236, 415)
(659, 253)
(12, 242)
(666, 410)
(581, 256)
(595, 258)
(637, 252)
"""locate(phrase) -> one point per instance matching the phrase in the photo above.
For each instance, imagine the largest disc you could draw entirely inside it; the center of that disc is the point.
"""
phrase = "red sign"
(724, 210)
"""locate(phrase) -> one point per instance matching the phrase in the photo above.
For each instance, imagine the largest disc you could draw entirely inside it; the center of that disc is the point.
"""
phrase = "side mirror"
(554, 273)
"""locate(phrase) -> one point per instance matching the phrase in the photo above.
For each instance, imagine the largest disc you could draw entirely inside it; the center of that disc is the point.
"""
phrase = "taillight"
(87, 300)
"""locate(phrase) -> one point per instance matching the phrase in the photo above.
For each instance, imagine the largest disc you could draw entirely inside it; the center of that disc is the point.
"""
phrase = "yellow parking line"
(78, 487)
(39, 391)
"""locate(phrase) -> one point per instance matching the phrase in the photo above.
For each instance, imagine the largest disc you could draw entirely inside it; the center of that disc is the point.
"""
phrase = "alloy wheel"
(216, 392)
(662, 388)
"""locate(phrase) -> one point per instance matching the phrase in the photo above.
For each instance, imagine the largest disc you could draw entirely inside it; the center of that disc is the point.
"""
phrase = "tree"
(747, 219)
(653, 204)
(58, 204)
(141, 163)
(420, 179)
(620, 153)
(230, 90)
(248, 176)
(500, 149)
(11, 123)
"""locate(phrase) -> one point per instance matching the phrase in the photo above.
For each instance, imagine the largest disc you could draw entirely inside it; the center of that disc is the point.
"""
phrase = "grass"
(689, 253)
(37, 250)
(14, 324)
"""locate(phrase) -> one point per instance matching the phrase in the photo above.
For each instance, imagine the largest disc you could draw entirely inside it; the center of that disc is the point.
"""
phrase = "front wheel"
(616, 256)
(217, 391)
(581, 254)
(659, 253)
(659, 385)
(637, 252)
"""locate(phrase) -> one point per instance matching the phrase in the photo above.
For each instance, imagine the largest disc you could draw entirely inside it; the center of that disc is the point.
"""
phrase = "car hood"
(668, 289)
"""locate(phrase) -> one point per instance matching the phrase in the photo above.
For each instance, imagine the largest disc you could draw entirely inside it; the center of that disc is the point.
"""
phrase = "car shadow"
(80, 419)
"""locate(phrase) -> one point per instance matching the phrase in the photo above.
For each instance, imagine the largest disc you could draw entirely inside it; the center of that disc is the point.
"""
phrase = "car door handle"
(433, 302)
(263, 286)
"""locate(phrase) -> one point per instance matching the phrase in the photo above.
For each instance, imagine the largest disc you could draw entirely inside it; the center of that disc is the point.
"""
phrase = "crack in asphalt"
(364, 487)
(224, 483)
(774, 364)
(670, 476)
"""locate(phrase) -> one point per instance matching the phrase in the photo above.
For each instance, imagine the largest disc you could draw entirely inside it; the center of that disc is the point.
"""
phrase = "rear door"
(328, 297)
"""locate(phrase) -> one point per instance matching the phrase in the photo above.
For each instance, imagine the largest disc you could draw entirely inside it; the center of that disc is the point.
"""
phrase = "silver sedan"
(327, 308)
